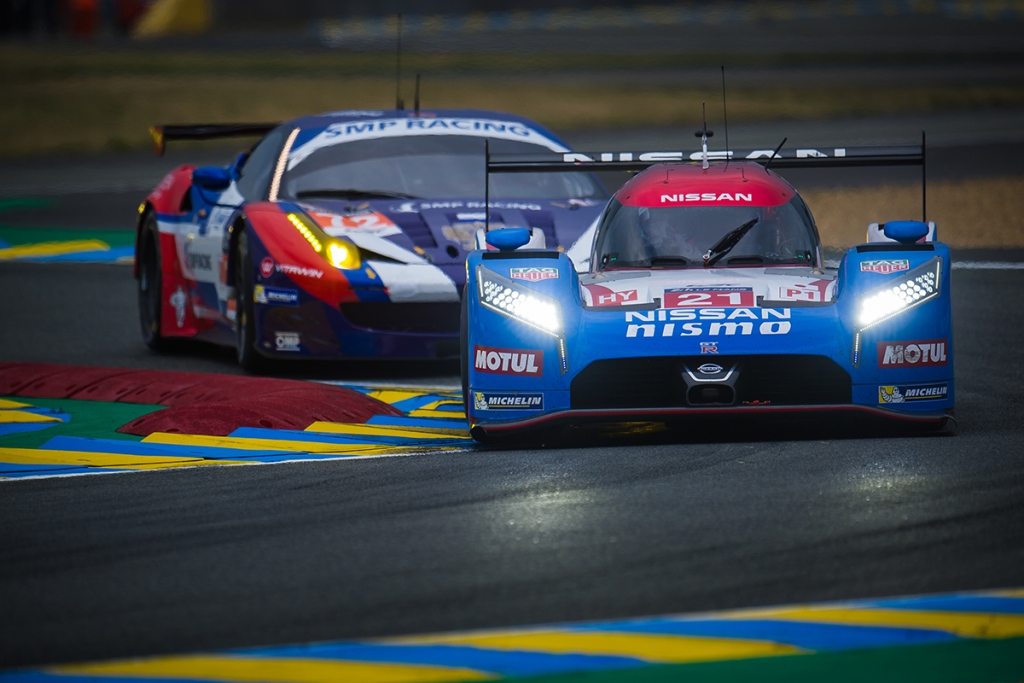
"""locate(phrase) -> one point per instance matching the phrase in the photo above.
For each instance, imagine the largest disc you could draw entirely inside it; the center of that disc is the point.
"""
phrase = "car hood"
(708, 287)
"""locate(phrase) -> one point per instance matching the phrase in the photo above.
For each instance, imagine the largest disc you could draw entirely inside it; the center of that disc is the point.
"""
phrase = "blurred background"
(84, 79)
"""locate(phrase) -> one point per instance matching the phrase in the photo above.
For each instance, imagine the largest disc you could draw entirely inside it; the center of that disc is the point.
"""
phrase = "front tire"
(150, 285)
(245, 323)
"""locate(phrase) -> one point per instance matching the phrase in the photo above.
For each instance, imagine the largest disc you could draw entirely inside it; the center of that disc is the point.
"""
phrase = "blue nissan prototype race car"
(341, 235)
(701, 292)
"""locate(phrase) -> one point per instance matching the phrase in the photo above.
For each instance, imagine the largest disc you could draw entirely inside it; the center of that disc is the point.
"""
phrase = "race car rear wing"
(801, 157)
(205, 131)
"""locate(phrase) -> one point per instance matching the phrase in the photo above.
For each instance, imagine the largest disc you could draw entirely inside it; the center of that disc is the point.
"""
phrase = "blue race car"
(341, 235)
(700, 292)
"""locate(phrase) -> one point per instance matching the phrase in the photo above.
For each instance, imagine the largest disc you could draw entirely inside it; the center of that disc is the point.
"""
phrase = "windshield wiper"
(728, 241)
(353, 193)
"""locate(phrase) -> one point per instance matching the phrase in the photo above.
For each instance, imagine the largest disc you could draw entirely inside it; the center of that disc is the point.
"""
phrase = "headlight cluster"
(338, 251)
(508, 298)
(919, 286)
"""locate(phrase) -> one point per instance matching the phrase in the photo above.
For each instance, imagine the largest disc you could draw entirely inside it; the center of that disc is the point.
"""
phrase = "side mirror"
(211, 177)
(508, 239)
(905, 232)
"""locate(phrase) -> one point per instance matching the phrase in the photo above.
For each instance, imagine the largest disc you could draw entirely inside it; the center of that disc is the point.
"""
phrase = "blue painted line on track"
(809, 636)
(123, 447)
(21, 427)
(439, 422)
(95, 256)
(13, 470)
(503, 662)
(956, 603)
(341, 439)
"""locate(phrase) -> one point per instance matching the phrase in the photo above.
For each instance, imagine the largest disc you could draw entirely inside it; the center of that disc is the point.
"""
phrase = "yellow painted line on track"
(51, 249)
(1011, 593)
(392, 396)
(33, 456)
(12, 416)
(6, 403)
(653, 648)
(385, 430)
(293, 670)
(963, 624)
(443, 414)
(244, 443)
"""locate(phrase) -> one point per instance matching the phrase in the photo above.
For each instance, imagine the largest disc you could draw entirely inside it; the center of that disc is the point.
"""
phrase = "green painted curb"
(92, 419)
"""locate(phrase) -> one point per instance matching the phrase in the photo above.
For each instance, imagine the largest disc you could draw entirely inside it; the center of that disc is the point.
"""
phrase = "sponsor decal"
(508, 361)
(885, 266)
(365, 221)
(416, 207)
(912, 354)
(178, 301)
(907, 393)
(533, 274)
(815, 291)
(262, 294)
(710, 369)
(287, 341)
(196, 260)
(717, 297)
(684, 197)
(708, 322)
(302, 271)
(267, 267)
(805, 153)
(603, 296)
(708, 348)
(507, 401)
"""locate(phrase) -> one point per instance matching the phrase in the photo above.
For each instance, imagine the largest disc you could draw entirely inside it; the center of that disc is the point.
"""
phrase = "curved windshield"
(427, 167)
(699, 236)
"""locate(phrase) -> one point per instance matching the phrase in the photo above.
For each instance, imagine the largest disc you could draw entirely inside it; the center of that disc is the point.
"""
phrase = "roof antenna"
(774, 154)
(704, 134)
(487, 186)
(924, 181)
(416, 97)
(399, 105)
(725, 118)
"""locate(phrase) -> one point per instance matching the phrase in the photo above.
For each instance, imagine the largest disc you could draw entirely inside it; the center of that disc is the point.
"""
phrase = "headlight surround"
(920, 285)
(337, 251)
(520, 303)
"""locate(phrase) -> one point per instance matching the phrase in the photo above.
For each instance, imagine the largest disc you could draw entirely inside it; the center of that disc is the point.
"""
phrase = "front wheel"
(245, 324)
(149, 285)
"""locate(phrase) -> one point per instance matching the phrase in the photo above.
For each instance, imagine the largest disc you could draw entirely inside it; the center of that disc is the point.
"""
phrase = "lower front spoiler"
(752, 415)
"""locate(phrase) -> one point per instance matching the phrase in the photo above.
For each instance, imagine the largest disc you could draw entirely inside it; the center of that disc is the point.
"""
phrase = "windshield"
(427, 167)
(695, 236)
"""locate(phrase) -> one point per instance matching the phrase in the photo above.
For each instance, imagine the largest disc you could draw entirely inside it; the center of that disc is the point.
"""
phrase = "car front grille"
(659, 382)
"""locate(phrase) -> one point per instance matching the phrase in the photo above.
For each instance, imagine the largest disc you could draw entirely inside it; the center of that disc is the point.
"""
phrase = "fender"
(165, 198)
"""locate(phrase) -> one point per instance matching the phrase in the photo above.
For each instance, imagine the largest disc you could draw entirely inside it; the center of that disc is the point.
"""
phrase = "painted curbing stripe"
(81, 443)
(650, 648)
(963, 624)
(51, 249)
(17, 471)
(498, 662)
(371, 429)
(277, 445)
(241, 668)
(805, 636)
(435, 424)
(34, 456)
(8, 404)
(957, 603)
(339, 439)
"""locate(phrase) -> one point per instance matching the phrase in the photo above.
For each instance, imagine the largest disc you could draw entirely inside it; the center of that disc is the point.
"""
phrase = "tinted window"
(429, 167)
(254, 179)
(631, 236)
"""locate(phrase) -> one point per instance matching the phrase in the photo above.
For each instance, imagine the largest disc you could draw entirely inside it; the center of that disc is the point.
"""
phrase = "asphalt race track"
(179, 561)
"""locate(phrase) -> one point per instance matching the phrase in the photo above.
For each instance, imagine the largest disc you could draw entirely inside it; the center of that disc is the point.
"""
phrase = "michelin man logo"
(889, 394)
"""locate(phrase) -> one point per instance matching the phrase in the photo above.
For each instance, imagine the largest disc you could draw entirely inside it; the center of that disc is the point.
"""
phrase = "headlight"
(920, 285)
(338, 251)
(525, 305)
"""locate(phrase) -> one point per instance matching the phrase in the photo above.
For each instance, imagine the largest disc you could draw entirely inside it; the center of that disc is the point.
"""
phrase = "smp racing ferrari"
(342, 235)
(701, 292)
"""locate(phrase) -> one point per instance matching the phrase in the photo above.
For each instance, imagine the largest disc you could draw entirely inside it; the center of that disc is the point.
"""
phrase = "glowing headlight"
(517, 302)
(338, 251)
(920, 285)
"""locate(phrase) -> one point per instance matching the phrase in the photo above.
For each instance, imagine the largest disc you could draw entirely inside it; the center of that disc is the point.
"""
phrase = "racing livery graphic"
(343, 235)
(699, 258)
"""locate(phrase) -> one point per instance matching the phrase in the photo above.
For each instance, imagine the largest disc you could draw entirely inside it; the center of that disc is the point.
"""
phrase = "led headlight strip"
(338, 251)
(524, 305)
(920, 285)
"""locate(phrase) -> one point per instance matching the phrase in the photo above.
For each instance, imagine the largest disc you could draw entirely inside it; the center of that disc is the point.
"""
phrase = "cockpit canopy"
(676, 222)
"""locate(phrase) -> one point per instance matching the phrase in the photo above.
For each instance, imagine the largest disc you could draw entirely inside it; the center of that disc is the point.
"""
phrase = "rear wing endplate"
(205, 131)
